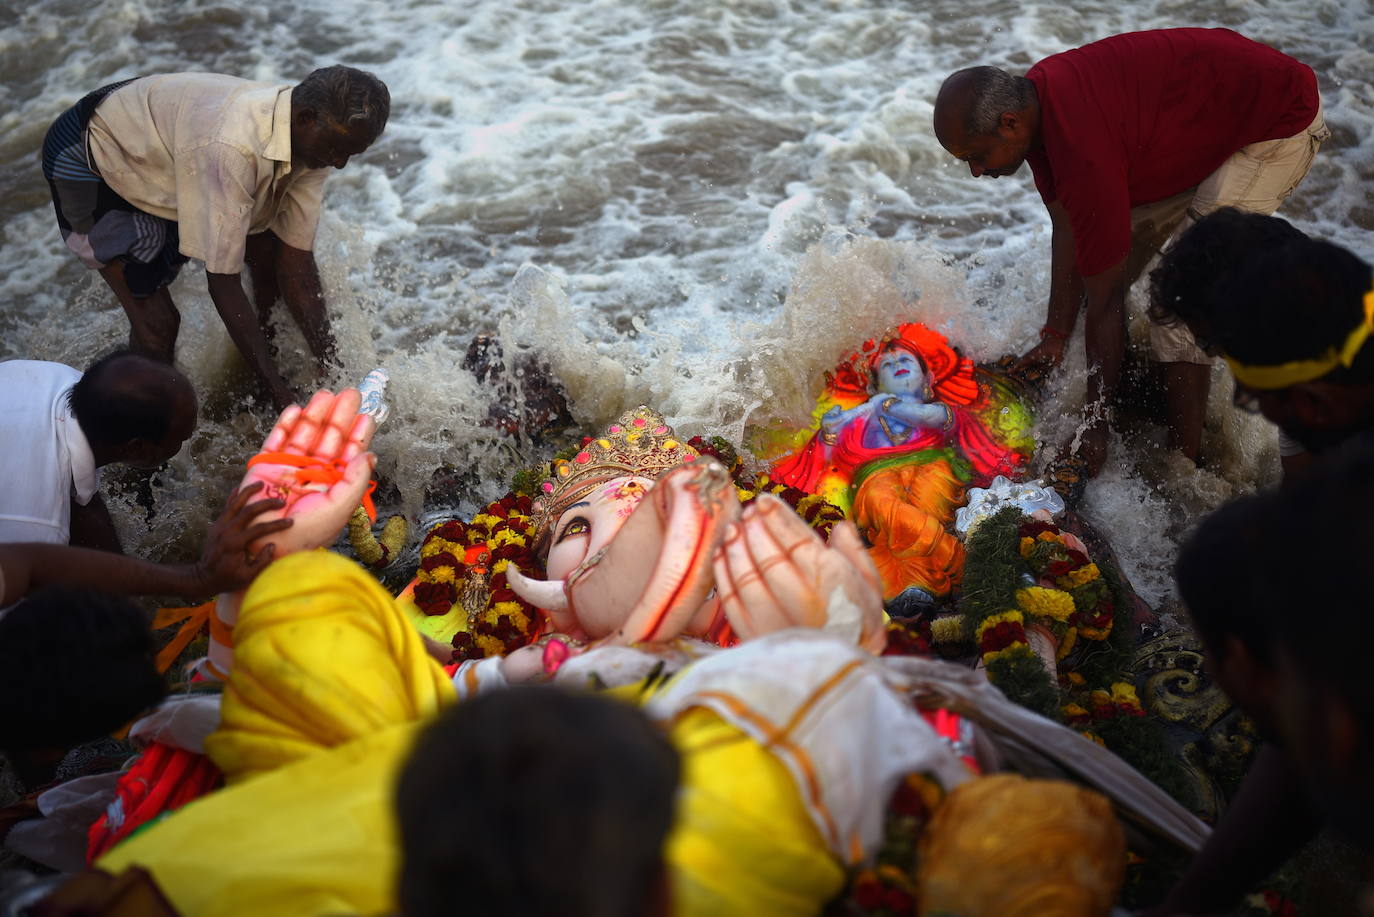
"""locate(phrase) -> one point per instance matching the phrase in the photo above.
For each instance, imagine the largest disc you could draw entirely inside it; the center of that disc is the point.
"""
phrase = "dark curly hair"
(1183, 288)
(535, 800)
(74, 665)
(1295, 301)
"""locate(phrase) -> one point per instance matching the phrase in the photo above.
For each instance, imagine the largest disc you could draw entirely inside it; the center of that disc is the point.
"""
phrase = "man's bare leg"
(153, 320)
(1185, 393)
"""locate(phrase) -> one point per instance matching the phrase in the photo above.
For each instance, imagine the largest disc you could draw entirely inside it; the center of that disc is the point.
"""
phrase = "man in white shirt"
(151, 172)
(58, 426)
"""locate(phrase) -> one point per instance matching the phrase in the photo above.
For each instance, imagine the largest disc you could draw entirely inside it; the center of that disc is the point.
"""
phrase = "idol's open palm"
(316, 461)
(773, 572)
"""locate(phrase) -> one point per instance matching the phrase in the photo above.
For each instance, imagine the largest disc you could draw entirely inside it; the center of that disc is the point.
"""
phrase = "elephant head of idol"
(626, 529)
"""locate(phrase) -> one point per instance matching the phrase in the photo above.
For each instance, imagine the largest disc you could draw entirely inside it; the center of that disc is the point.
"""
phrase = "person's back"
(45, 459)
(59, 426)
(159, 140)
(1140, 117)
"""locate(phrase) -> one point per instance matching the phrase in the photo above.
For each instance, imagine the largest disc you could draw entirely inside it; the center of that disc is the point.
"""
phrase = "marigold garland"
(1020, 572)
(888, 887)
(465, 563)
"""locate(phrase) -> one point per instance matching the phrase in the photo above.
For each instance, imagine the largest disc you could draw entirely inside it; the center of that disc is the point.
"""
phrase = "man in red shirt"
(1129, 140)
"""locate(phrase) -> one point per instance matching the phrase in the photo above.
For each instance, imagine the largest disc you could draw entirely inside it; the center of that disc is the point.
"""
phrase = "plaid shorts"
(97, 224)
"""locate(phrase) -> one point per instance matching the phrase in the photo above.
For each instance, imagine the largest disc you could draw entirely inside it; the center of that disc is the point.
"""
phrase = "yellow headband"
(1285, 374)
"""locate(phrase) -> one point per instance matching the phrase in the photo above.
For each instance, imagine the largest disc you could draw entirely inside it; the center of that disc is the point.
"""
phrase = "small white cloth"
(1001, 492)
(58, 838)
(827, 711)
(45, 460)
(182, 722)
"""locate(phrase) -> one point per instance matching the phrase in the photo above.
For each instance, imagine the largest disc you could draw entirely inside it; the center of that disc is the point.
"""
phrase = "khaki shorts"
(1256, 178)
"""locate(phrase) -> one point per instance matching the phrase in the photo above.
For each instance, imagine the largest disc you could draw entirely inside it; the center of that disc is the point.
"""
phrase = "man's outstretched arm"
(1066, 295)
(1104, 340)
(92, 527)
(226, 290)
(226, 563)
(1269, 820)
(298, 277)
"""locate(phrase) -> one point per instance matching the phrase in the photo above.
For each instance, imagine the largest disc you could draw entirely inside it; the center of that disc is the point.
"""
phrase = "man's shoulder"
(214, 102)
(1146, 47)
(37, 373)
(201, 82)
(32, 394)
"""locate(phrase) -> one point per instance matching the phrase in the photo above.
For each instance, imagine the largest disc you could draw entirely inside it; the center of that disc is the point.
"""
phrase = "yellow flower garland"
(1043, 602)
(1011, 616)
(1076, 578)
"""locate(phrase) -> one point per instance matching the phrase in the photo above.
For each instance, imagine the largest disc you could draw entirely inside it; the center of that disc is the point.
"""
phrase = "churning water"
(698, 205)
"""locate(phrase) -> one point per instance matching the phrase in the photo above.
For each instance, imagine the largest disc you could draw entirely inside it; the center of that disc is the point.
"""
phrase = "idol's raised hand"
(316, 461)
(773, 572)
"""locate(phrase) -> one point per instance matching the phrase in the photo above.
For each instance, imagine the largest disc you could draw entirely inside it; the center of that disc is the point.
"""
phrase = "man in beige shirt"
(151, 172)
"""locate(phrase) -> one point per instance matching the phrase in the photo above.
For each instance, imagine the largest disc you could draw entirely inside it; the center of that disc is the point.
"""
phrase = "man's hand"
(226, 563)
(241, 321)
(299, 280)
(1040, 359)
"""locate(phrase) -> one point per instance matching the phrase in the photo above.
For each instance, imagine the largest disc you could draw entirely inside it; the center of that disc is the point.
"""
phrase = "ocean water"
(698, 205)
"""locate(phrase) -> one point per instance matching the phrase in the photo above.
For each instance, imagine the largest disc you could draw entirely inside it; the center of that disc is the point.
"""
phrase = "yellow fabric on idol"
(322, 657)
(316, 837)
(742, 844)
(330, 687)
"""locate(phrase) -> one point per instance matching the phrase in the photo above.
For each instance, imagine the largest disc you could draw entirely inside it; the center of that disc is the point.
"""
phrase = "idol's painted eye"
(577, 526)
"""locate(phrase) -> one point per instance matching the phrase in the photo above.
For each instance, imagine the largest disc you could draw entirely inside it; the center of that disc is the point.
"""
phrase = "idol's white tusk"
(546, 594)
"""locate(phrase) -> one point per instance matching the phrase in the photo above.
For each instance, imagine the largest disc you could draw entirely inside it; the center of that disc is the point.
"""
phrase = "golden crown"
(639, 443)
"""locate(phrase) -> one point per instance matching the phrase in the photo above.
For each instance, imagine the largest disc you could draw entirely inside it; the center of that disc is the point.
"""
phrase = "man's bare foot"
(1072, 468)
(1092, 446)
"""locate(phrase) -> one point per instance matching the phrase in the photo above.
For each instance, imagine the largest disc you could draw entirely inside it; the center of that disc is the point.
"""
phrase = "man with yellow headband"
(1292, 317)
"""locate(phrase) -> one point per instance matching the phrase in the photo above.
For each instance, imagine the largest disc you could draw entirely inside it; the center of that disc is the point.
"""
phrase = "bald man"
(1129, 139)
(58, 426)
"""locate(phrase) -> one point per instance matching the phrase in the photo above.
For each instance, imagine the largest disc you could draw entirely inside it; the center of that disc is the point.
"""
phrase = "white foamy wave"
(695, 204)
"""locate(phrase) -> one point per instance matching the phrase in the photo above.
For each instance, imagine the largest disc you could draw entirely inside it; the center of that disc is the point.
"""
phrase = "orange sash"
(314, 471)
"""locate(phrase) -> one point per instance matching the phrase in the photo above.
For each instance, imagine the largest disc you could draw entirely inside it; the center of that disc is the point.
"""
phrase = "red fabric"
(949, 726)
(987, 457)
(162, 780)
(803, 468)
(851, 453)
(952, 381)
(1140, 117)
(949, 374)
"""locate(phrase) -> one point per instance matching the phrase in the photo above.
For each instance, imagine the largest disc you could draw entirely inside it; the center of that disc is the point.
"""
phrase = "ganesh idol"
(911, 425)
(636, 539)
(791, 742)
